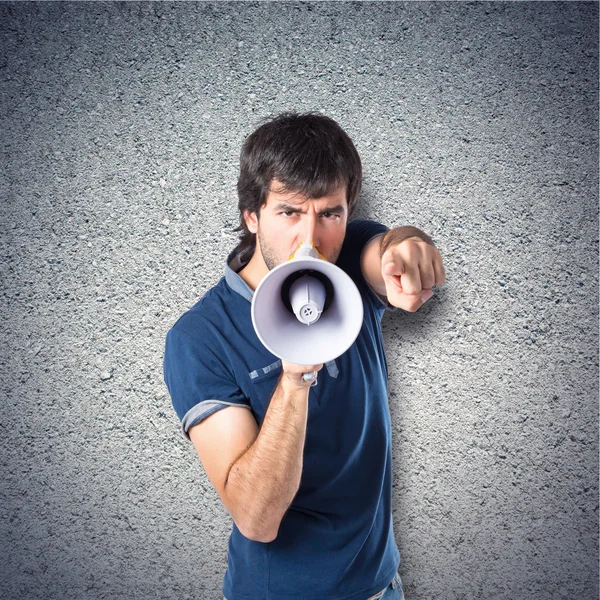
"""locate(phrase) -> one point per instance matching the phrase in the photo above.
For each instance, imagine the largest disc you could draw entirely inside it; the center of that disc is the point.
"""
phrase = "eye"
(330, 215)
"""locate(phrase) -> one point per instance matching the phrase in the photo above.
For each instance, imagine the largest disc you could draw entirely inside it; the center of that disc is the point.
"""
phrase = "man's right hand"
(257, 471)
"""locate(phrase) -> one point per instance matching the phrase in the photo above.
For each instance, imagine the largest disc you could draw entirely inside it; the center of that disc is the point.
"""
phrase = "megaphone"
(307, 311)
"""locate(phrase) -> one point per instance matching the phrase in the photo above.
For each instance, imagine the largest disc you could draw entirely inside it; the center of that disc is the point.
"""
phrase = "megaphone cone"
(307, 311)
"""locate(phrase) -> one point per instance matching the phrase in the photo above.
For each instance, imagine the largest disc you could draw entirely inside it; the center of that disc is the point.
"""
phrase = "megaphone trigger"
(310, 376)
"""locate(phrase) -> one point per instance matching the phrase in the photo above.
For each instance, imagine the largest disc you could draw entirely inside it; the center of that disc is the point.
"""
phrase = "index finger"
(411, 280)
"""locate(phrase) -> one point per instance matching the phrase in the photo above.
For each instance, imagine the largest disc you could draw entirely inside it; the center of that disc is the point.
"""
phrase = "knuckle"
(410, 250)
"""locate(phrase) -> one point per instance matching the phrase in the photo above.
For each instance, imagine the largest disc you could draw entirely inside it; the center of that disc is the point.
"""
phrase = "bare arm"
(257, 473)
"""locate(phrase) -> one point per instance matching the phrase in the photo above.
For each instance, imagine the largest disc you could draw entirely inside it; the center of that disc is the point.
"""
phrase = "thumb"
(391, 273)
(391, 269)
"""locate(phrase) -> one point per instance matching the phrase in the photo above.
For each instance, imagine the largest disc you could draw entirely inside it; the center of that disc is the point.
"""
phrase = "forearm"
(263, 481)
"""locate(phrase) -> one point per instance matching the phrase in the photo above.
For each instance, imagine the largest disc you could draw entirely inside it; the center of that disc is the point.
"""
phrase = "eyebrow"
(282, 206)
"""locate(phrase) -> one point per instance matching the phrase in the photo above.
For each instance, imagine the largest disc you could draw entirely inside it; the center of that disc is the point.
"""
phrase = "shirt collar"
(235, 262)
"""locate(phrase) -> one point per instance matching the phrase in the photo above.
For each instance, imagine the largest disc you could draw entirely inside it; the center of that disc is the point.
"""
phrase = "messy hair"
(308, 154)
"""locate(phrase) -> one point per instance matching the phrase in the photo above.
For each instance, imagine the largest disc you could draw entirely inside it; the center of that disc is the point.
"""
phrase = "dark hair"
(308, 153)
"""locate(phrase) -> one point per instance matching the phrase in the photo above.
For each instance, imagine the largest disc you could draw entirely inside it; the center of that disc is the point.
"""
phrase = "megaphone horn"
(307, 310)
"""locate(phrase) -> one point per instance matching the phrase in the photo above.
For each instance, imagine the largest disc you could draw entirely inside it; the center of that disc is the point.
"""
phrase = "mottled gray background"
(120, 132)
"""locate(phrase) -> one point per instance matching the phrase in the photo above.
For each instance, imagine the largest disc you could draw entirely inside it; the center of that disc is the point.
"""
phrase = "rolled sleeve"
(198, 382)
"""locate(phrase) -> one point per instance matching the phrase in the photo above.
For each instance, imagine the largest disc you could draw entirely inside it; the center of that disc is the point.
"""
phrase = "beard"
(273, 259)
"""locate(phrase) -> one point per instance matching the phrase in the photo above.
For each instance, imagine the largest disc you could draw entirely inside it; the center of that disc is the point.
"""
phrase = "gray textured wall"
(121, 126)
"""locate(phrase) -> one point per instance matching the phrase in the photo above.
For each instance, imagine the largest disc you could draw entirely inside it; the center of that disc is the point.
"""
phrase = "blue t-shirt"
(336, 540)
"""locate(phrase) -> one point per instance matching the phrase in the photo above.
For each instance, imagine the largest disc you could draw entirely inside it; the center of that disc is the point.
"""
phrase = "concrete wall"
(121, 127)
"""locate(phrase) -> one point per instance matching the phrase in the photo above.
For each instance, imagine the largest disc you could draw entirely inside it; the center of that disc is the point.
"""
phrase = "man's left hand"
(409, 270)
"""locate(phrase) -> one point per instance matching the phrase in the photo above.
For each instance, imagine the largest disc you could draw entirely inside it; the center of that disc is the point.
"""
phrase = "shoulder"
(218, 328)
(198, 367)
(361, 231)
(358, 234)
(213, 307)
(197, 335)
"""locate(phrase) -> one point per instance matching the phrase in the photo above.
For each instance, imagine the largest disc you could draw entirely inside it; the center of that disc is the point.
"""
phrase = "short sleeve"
(199, 382)
(358, 234)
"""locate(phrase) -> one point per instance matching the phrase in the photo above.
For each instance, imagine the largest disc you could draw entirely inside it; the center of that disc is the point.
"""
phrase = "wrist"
(400, 234)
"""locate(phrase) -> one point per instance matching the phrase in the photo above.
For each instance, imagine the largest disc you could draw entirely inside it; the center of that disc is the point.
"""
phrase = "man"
(304, 471)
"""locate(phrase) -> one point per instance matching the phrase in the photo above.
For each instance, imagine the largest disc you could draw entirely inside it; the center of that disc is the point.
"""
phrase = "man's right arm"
(257, 472)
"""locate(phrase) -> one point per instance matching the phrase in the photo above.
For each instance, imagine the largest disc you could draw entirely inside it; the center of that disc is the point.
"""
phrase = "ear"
(251, 220)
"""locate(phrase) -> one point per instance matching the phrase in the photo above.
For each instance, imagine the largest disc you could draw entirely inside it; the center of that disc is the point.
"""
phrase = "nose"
(309, 232)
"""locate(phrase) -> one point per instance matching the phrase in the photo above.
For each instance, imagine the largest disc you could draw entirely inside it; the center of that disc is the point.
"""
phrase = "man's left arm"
(403, 265)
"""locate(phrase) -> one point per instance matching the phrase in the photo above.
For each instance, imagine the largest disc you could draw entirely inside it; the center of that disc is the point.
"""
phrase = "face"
(288, 219)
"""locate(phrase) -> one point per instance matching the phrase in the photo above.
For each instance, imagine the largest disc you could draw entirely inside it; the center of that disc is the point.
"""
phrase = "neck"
(255, 270)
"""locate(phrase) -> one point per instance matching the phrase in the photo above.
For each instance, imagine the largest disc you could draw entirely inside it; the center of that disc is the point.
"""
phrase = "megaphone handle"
(310, 376)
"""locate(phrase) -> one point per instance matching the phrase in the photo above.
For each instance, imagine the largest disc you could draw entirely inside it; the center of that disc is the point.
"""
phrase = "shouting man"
(304, 471)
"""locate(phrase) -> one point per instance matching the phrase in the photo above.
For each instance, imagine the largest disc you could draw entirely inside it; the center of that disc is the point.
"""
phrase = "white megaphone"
(307, 311)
